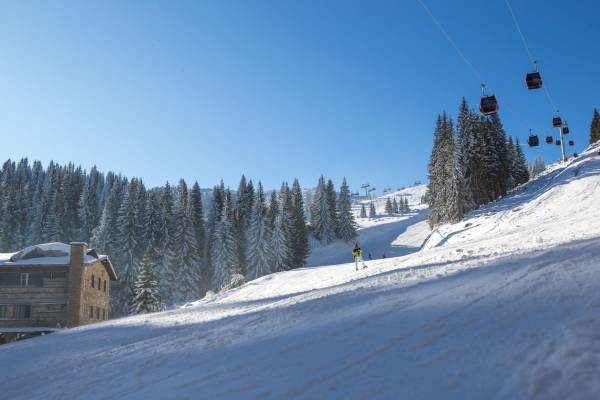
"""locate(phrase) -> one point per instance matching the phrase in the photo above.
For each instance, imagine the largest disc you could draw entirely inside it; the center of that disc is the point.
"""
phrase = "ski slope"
(389, 236)
(504, 305)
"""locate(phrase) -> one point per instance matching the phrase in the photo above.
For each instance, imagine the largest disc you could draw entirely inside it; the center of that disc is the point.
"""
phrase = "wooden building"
(54, 285)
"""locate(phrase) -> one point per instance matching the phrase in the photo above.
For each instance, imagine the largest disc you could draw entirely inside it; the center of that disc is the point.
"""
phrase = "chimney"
(74, 292)
(78, 251)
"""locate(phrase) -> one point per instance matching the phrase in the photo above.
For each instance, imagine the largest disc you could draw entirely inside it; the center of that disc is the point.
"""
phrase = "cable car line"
(454, 45)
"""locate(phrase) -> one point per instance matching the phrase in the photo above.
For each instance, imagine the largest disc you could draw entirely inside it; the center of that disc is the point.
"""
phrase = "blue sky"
(206, 90)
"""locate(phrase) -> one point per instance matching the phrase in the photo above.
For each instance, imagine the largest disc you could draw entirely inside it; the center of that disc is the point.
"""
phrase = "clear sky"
(278, 89)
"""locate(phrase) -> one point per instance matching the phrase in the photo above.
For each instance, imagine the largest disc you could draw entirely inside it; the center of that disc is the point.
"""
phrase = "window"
(104, 313)
(105, 285)
(97, 312)
(99, 280)
(9, 279)
(91, 312)
(24, 278)
(93, 280)
(55, 307)
(15, 311)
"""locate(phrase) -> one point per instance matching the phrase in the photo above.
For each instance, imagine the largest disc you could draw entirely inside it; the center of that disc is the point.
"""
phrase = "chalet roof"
(52, 254)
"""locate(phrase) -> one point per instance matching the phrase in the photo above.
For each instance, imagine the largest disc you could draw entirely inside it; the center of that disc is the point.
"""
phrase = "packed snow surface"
(504, 305)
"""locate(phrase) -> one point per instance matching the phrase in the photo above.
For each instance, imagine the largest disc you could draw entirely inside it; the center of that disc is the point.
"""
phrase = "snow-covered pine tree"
(389, 207)
(258, 253)
(184, 265)
(281, 237)
(498, 142)
(522, 170)
(537, 167)
(243, 210)
(372, 211)
(197, 213)
(224, 257)
(480, 185)
(146, 298)
(512, 164)
(299, 235)
(89, 207)
(272, 210)
(595, 127)
(405, 206)
(332, 205)
(434, 188)
(363, 211)
(345, 217)
(216, 207)
(323, 226)
(465, 140)
(395, 207)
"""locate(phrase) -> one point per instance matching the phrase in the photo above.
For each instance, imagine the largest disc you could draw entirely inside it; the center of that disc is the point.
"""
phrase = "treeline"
(471, 163)
(162, 240)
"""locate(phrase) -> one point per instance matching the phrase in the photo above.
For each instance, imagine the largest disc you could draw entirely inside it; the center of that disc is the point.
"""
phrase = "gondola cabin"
(565, 130)
(558, 142)
(488, 105)
(549, 140)
(533, 80)
(571, 143)
(533, 141)
(556, 122)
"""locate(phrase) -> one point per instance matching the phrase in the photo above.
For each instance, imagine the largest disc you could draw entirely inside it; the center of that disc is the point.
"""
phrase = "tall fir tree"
(224, 257)
(281, 237)
(372, 211)
(363, 211)
(299, 234)
(595, 127)
(323, 225)
(146, 298)
(258, 253)
(346, 223)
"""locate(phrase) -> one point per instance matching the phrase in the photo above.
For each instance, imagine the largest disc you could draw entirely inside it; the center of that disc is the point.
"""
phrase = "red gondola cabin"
(533, 80)
(488, 105)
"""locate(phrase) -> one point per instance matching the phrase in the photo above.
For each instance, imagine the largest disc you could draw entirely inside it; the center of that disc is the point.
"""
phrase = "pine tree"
(224, 257)
(146, 297)
(389, 207)
(243, 210)
(395, 207)
(345, 217)
(281, 237)
(89, 207)
(372, 211)
(299, 234)
(332, 205)
(465, 143)
(363, 211)
(258, 251)
(197, 215)
(323, 226)
(126, 262)
(184, 265)
(522, 172)
(595, 127)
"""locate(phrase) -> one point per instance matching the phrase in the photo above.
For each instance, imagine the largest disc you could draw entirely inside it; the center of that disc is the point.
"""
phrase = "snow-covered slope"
(488, 310)
(384, 236)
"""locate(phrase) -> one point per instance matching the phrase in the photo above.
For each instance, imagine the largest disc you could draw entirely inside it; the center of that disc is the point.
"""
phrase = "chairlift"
(549, 140)
(556, 122)
(533, 80)
(488, 104)
(533, 140)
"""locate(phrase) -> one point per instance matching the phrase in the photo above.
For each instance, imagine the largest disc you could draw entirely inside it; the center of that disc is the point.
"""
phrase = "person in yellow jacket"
(357, 254)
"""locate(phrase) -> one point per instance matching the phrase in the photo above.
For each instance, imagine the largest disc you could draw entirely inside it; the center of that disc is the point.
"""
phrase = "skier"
(357, 254)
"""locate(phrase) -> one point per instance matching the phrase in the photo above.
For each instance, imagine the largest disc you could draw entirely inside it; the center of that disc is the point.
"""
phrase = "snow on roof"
(45, 254)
